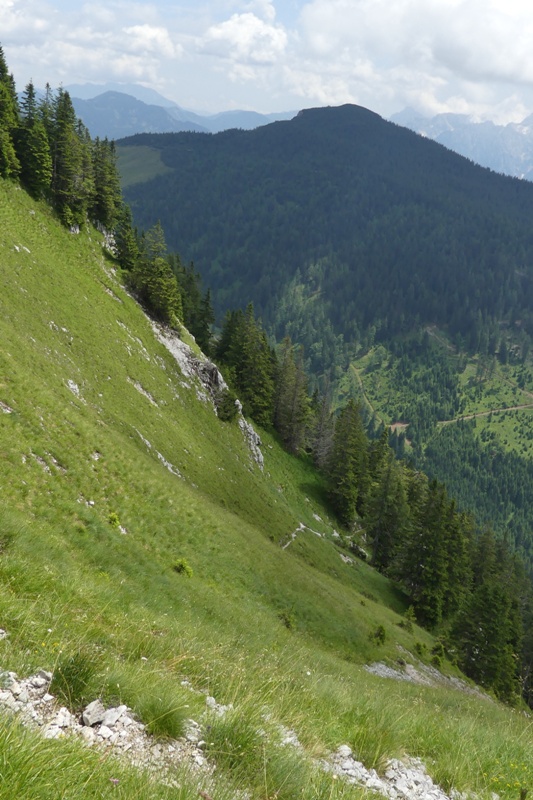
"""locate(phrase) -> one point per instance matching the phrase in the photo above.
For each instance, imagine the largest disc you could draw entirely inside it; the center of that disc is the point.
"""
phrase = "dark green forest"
(344, 229)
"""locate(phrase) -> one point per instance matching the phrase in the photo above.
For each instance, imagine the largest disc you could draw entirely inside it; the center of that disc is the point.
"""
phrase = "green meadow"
(141, 546)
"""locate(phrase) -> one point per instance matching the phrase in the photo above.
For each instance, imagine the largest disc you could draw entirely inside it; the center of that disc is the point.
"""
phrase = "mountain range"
(507, 149)
(117, 110)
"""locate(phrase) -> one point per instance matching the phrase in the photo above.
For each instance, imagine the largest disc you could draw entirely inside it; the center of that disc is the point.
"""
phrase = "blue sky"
(463, 56)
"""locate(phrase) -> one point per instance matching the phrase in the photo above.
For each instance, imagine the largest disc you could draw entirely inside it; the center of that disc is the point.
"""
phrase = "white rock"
(94, 713)
(111, 716)
(104, 732)
(89, 735)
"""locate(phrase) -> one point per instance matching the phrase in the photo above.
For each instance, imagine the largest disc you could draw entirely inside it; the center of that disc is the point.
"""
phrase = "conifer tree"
(244, 351)
(106, 203)
(291, 401)
(69, 180)
(387, 519)
(126, 244)
(423, 561)
(9, 121)
(322, 430)
(347, 464)
(153, 279)
(33, 146)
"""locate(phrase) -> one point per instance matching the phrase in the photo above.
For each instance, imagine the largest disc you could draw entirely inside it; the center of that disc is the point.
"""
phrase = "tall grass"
(107, 612)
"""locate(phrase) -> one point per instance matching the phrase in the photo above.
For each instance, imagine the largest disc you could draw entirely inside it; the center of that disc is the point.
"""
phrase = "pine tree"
(487, 635)
(347, 464)
(126, 244)
(9, 121)
(387, 519)
(106, 204)
(423, 563)
(291, 400)
(69, 162)
(154, 281)
(322, 430)
(244, 352)
(33, 147)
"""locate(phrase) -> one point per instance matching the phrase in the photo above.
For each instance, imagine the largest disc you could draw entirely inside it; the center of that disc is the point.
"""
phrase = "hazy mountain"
(115, 115)
(87, 91)
(117, 110)
(502, 148)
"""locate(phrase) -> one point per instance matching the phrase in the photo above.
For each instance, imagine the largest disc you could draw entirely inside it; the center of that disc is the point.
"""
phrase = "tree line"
(463, 583)
(51, 152)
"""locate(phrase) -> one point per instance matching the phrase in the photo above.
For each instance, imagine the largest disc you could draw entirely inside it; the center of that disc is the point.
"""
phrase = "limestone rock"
(94, 713)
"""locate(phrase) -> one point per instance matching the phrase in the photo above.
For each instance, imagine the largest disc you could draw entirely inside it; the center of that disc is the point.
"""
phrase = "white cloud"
(245, 39)
(149, 39)
(438, 55)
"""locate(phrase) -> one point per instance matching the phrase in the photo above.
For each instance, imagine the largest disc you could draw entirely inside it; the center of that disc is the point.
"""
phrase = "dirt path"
(365, 397)
(485, 413)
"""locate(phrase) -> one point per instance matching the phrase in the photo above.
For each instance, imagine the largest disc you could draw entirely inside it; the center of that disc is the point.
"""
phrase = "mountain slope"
(503, 148)
(338, 223)
(114, 115)
(96, 420)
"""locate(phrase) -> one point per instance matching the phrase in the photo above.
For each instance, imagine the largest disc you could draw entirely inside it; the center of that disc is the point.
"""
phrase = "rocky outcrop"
(209, 383)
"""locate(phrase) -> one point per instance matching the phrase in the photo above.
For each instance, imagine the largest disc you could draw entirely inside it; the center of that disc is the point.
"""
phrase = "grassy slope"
(502, 394)
(75, 589)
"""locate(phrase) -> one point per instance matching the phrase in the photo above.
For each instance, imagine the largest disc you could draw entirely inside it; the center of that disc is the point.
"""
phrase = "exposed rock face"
(210, 383)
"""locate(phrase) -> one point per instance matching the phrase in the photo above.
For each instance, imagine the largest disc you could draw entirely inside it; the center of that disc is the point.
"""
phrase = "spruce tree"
(347, 464)
(106, 203)
(9, 122)
(387, 519)
(154, 281)
(126, 243)
(291, 400)
(69, 162)
(33, 147)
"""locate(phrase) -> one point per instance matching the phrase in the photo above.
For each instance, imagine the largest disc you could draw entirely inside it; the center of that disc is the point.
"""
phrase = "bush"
(379, 636)
(226, 405)
(182, 567)
(114, 520)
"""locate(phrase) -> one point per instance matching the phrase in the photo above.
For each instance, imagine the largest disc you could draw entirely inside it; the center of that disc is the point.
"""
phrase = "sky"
(464, 56)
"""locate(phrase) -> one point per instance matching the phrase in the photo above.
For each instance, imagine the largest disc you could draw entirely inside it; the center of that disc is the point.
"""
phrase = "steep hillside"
(350, 233)
(143, 547)
(342, 227)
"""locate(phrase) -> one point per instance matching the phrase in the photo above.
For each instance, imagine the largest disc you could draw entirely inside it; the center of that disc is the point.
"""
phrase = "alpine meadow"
(278, 592)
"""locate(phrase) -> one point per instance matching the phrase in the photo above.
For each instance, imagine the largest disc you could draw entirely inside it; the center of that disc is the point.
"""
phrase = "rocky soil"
(117, 730)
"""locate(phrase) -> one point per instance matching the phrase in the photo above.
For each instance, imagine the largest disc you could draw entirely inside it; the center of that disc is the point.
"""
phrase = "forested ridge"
(343, 228)
(463, 583)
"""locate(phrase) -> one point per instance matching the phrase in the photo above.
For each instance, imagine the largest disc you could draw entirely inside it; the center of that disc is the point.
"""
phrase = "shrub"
(226, 405)
(114, 520)
(182, 567)
(379, 635)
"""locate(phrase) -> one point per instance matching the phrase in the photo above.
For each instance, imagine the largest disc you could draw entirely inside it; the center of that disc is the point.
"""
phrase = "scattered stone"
(94, 713)
(117, 728)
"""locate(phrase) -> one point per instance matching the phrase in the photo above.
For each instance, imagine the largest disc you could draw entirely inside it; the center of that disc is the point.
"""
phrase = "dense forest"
(342, 217)
(465, 584)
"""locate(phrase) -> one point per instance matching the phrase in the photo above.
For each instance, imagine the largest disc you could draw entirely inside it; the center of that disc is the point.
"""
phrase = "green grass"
(282, 634)
(138, 164)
